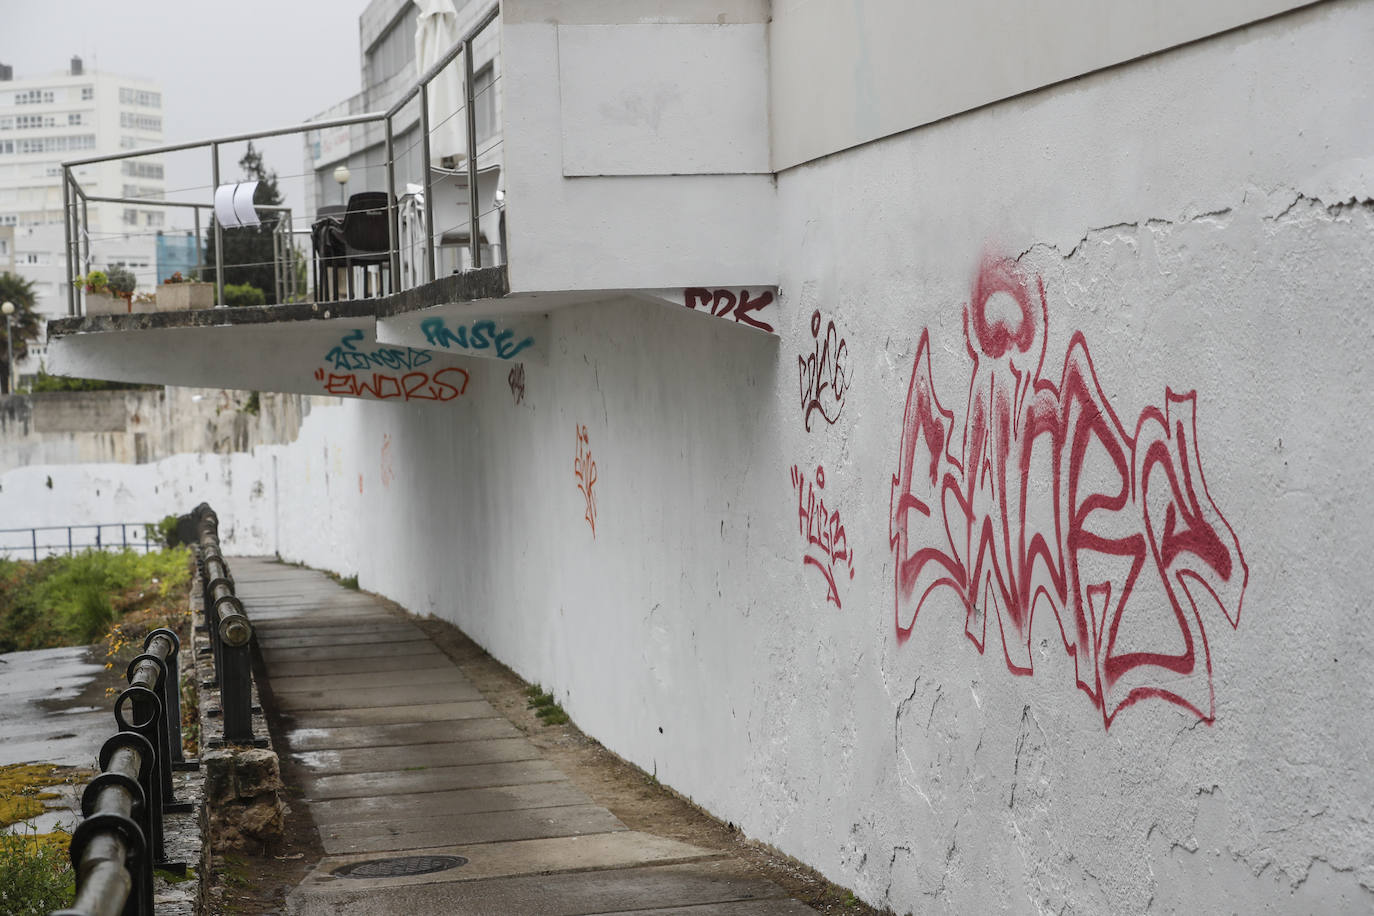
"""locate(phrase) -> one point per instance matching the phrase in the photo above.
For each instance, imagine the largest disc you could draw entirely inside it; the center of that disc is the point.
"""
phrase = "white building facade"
(939, 449)
(78, 113)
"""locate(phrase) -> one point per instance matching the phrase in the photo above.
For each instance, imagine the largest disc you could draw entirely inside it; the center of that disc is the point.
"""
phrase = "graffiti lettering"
(347, 357)
(517, 382)
(584, 472)
(1047, 497)
(823, 375)
(481, 335)
(441, 385)
(827, 546)
(724, 303)
(387, 473)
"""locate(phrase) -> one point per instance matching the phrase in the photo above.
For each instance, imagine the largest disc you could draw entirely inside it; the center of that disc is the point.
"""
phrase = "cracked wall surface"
(1199, 221)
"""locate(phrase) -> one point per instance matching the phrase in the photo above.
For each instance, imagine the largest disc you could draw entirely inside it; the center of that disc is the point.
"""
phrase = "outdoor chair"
(367, 237)
(327, 239)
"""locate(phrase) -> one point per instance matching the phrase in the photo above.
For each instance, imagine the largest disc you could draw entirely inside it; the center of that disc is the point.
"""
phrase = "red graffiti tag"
(584, 472)
(827, 546)
(823, 376)
(1048, 498)
(725, 303)
(440, 385)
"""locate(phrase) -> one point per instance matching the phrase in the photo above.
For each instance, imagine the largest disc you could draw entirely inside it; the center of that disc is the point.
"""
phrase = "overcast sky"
(224, 68)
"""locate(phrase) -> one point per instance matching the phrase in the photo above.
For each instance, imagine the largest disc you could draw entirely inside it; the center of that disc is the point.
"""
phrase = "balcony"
(597, 161)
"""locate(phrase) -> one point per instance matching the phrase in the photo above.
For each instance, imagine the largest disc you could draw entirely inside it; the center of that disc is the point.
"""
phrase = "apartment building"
(48, 118)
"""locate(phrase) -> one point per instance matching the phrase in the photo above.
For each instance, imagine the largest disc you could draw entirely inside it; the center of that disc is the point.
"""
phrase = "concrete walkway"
(409, 764)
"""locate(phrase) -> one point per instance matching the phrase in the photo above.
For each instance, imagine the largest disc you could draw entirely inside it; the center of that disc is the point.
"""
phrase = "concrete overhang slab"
(327, 348)
(477, 313)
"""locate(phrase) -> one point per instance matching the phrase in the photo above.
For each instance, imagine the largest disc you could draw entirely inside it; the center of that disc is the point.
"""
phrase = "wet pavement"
(429, 801)
(53, 710)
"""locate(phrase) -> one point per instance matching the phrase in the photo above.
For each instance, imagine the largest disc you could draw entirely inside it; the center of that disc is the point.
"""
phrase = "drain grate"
(398, 867)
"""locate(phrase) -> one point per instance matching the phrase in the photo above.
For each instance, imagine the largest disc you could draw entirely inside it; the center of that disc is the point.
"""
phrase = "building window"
(6, 123)
(33, 97)
(74, 117)
(140, 97)
(484, 102)
(87, 93)
(130, 218)
(6, 147)
(394, 51)
(139, 121)
(51, 144)
(153, 219)
(135, 169)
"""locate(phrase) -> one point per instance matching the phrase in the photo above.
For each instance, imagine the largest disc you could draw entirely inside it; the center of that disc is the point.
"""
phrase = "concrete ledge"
(469, 286)
(214, 318)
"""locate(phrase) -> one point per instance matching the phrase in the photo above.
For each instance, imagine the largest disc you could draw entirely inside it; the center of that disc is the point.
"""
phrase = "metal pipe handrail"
(229, 629)
(234, 138)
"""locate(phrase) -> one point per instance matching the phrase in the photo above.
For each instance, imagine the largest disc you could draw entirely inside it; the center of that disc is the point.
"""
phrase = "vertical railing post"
(474, 231)
(219, 230)
(34, 534)
(424, 170)
(393, 231)
(69, 540)
(86, 227)
(70, 237)
(200, 247)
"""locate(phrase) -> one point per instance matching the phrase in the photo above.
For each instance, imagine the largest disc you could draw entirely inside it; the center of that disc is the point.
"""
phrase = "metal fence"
(484, 200)
(120, 839)
(58, 540)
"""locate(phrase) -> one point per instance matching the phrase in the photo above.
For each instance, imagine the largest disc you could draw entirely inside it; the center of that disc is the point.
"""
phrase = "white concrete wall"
(1199, 222)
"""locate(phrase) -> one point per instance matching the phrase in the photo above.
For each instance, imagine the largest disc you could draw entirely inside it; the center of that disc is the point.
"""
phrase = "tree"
(14, 288)
(248, 252)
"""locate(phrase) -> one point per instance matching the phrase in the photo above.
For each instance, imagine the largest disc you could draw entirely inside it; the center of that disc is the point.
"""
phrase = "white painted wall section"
(1151, 284)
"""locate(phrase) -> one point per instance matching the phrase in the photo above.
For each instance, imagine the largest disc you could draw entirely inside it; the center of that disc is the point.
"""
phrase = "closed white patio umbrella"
(435, 34)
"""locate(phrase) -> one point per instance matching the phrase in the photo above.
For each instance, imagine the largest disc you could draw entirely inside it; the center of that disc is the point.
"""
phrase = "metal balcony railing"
(405, 263)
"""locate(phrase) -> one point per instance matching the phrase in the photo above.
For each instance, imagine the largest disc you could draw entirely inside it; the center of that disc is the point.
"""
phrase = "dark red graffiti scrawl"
(827, 545)
(823, 375)
(1046, 498)
(584, 472)
(725, 303)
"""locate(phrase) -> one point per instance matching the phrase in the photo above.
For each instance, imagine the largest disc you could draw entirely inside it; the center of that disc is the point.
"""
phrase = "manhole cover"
(399, 867)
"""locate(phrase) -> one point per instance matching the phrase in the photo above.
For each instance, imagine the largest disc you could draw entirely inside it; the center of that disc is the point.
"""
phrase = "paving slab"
(391, 649)
(415, 757)
(287, 681)
(361, 665)
(486, 827)
(434, 779)
(392, 715)
(708, 883)
(354, 698)
(458, 801)
(315, 738)
(549, 856)
(345, 638)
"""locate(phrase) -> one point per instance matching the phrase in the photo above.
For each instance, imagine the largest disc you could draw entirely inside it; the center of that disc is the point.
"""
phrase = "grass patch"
(72, 601)
(35, 876)
(544, 706)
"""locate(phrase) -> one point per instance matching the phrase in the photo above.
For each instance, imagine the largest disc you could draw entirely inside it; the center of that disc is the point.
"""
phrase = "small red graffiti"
(360, 483)
(387, 474)
(725, 303)
(584, 471)
(823, 376)
(827, 546)
(1048, 496)
(516, 377)
(440, 385)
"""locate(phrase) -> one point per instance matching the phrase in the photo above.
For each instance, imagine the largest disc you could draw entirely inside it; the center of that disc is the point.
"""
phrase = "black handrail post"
(35, 544)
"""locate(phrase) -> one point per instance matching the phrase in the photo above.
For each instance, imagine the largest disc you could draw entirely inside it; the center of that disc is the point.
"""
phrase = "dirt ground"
(258, 884)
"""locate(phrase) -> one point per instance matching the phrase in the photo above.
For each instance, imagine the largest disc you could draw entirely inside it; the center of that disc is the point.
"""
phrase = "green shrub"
(35, 877)
(61, 601)
(121, 281)
(242, 294)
